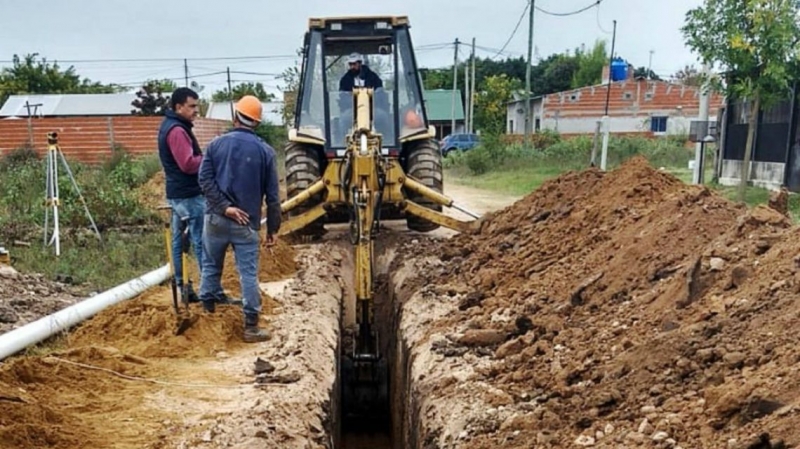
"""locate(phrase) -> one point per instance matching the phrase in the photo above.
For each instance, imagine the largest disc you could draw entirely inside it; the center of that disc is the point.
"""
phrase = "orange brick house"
(636, 106)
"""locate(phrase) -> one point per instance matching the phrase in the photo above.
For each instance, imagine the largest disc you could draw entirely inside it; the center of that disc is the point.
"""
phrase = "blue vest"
(179, 184)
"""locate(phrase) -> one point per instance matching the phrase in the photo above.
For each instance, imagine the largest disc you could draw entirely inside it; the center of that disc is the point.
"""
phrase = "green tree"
(558, 74)
(150, 98)
(643, 72)
(242, 89)
(31, 75)
(755, 43)
(290, 88)
(590, 66)
(688, 76)
(491, 102)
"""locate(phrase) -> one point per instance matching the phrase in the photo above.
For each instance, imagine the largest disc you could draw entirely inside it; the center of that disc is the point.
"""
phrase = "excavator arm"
(363, 181)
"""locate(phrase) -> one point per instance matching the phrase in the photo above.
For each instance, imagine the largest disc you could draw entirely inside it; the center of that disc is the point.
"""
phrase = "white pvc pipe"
(43, 328)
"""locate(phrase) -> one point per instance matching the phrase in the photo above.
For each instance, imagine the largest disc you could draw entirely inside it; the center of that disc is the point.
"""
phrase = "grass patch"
(132, 237)
(511, 169)
(513, 181)
(99, 266)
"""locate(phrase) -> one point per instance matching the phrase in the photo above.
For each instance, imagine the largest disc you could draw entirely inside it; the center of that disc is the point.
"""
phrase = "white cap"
(354, 57)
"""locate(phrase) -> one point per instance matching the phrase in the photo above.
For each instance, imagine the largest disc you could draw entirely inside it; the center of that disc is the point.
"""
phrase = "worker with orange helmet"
(239, 171)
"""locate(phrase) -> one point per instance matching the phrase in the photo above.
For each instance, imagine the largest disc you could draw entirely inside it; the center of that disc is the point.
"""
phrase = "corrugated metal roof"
(270, 111)
(68, 105)
(439, 105)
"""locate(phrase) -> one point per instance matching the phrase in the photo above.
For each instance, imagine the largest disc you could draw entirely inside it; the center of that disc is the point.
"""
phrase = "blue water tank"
(619, 70)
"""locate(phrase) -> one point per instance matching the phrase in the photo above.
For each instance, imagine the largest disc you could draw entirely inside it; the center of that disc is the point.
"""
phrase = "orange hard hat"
(249, 107)
(412, 119)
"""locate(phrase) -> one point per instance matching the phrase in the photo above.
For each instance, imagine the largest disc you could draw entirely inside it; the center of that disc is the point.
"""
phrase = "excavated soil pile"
(624, 308)
(27, 421)
(146, 326)
(24, 298)
(274, 264)
(153, 193)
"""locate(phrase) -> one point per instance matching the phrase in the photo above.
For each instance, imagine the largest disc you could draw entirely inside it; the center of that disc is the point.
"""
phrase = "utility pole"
(466, 95)
(528, 121)
(230, 92)
(455, 86)
(697, 173)
(472, 93)
(186, 72)
(649, 65)
(607, 124)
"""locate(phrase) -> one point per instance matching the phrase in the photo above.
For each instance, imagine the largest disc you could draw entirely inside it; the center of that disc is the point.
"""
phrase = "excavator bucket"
(365, 392)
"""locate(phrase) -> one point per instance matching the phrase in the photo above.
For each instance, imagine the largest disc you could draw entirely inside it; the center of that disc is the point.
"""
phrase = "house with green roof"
(439, 107)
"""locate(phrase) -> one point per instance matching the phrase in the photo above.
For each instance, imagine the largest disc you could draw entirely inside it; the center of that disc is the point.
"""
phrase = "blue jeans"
(192, 208)
(219, 233)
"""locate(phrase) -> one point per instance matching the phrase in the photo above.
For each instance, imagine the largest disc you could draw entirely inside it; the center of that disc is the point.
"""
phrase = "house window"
(658, 124)
(511, 126)
(627, 96)
(538, 125)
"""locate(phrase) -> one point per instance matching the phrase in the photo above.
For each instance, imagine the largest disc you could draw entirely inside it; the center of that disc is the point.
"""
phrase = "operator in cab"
(358, 75)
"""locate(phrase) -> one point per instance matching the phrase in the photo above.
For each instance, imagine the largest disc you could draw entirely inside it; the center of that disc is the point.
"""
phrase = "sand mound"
(145, 327)
(153, 193)
(40, 396)
(616, 298)
(273, 266)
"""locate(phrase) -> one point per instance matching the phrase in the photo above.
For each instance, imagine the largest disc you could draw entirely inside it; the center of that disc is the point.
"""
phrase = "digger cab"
(340, 53)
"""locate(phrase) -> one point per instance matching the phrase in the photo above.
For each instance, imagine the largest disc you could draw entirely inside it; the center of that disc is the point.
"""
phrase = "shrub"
(19, 156)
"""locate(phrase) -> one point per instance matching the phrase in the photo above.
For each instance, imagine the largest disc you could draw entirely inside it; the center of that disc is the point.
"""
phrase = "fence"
(92, 139)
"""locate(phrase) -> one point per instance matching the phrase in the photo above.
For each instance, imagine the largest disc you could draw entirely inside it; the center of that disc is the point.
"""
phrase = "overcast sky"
(105, 29)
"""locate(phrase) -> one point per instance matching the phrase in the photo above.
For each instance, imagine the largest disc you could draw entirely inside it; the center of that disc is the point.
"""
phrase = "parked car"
(460, 142)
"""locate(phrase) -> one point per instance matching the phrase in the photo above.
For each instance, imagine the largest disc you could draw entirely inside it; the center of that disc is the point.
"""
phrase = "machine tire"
(425, 165)
(303, 168)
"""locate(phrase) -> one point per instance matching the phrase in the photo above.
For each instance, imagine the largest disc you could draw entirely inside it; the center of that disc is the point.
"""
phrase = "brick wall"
(91, 139)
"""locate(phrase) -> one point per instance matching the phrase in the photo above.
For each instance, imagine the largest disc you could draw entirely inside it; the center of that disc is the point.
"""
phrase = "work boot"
(252, 333)
(192, 295)
(209, 305)
(223, 299)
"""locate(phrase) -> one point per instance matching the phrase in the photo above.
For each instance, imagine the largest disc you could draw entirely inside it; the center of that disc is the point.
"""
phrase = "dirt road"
(476, 200)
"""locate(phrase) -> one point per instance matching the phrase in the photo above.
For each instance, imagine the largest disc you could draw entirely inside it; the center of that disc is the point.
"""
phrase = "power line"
(216, 58)
(513, 33)
(598, 22)
(572, 13)
(255, 73)
(431, 46)
(498, 51)
(205, 58)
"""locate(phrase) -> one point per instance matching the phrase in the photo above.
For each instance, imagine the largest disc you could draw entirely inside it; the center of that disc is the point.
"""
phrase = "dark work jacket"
(179, 184)
(371, 79)
(240, 170)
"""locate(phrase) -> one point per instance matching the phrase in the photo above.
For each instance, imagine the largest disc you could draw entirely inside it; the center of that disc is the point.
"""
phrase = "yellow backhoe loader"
(361, 151)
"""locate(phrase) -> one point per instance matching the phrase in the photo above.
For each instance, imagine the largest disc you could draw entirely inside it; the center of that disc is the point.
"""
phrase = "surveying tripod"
(51, 197)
